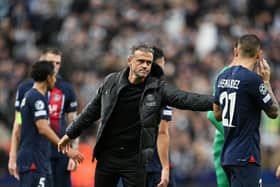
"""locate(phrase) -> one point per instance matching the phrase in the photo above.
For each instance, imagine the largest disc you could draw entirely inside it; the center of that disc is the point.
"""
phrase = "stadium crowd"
(197, 36)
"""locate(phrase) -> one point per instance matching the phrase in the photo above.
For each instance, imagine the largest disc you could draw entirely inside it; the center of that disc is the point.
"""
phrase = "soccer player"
(240, 96)
(62, 104)
(129, 104)
(33, 158)
(221, 177)
(159, 172)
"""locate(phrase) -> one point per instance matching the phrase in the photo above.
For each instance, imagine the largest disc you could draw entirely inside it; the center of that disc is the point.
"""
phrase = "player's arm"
(263, 70)
(163, 140)
(45, 130)
(277, 173)
(217, 112)
(70, 118)
(218, 125)
(72, 166)
(271, 111)
(15, 138)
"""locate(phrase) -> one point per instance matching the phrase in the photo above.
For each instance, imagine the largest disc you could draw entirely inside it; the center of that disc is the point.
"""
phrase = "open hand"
(263, 70)
(12, 165)
(164, 178)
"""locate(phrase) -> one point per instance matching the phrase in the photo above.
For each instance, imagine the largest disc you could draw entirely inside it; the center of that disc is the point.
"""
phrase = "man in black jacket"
(129, 105)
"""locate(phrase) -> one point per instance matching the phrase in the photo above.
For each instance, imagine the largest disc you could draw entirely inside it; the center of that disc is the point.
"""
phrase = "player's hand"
(263, 70)
(72, 165)
(12, 165)
(63, 145)
(75, 155)
(277, 173)
(164, 178)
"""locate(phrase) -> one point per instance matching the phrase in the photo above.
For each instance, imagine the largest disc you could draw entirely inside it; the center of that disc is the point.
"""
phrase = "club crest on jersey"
(39, 105)
(150, 100)
(56, 97)
(262, 89)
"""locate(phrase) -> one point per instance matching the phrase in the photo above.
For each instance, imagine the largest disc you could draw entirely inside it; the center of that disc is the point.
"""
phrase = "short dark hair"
(158, 53)
(248, 45)
(41, 69)
(142, 47)
(51, 50)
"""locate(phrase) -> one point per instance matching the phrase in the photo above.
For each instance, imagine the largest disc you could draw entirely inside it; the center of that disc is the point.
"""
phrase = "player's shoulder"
(26, 84)
(252, 76)
(63, 84)
(33, 94)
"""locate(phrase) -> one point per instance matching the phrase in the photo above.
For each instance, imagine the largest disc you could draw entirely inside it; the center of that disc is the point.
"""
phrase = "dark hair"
(141, 47)
(41, 69)
(248, 45)
(51, 50)
(158, 53)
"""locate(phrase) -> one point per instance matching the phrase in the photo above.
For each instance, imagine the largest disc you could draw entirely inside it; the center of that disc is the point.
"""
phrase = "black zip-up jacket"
(157, 94)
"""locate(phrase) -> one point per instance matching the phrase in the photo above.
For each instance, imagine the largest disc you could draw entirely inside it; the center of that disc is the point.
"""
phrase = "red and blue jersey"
(154, 165)
(61, 100)
(241, 95)
(34, 149)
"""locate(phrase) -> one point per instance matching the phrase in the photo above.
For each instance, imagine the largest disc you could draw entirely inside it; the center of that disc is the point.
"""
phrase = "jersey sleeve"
(166, 113)
(71, 103)
(39, 108)
(259, 91)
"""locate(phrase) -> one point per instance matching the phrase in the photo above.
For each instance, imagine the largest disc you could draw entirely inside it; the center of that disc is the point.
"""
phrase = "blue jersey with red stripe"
(61, 100)
(154, 165)
(34, 149)
(241, 95)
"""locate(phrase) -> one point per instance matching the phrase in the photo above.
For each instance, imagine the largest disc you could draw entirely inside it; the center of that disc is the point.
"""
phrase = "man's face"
(56, 59)
(140, 64)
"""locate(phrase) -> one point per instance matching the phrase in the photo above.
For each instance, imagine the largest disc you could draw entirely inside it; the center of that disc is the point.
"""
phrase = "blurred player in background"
(159, 172)
(62, 101)
(240, 96)
(33, 158)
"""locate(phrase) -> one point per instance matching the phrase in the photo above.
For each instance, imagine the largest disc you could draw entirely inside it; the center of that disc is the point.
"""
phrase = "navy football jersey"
(61, 100)
(154, 164)
(34, 149)
(241, 95)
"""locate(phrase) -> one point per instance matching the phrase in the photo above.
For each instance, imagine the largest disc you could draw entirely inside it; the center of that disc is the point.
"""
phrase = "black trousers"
(109, 169)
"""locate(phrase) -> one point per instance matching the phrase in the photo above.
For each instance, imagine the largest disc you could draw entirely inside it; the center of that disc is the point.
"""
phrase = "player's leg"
(61, 176)
(222, 180)
(247, 175)
(34, 178)
(153, 178)
(172, 181)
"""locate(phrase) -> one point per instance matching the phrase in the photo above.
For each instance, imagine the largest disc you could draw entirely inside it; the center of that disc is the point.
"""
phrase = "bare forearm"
(274, 107)
(163, 149)
(49, 134)
(15, 139)
(71, 117)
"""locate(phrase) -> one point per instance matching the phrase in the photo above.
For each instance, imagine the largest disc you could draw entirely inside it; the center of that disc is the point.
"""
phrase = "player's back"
(241, 95)
(34, 149)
